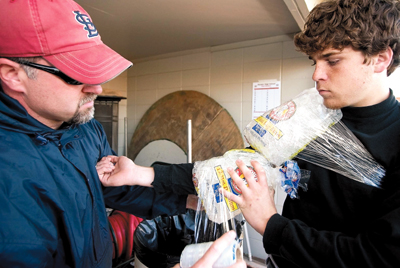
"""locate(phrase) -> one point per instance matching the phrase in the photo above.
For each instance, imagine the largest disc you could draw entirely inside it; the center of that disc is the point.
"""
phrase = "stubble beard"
(332, 104)
(82, 117)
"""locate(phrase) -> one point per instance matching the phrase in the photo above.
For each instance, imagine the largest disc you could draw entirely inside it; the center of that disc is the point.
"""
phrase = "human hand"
(126, 172)
(104, 168)
(215, 251)
(257, 200)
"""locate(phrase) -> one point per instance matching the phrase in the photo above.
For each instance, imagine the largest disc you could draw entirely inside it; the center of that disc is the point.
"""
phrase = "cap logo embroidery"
(88, 24)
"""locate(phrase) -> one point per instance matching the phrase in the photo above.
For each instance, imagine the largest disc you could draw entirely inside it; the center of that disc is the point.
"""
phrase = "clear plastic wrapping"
(281, 133)
(339, 150)
(211, 174)
(306, 129)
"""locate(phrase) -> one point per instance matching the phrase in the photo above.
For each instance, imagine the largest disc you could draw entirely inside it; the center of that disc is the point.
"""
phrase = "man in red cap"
(52, 63)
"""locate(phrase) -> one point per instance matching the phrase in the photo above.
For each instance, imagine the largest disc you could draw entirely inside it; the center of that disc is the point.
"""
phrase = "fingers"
(113, 158)
(105, 165)
(240, 182)
(271, 192)
(248, 174)
(216, 249)
(235, 177)
(231, 196)
(104, 169)
(260, 171)
(104, 179)
(254, 175)
(239, 264)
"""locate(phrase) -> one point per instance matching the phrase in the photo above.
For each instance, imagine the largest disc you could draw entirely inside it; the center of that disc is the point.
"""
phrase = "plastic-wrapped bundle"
(339, 150)
(305, 128)
(211, 174)
(281, 133)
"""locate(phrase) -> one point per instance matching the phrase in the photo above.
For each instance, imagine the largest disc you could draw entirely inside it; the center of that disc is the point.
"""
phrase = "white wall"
(394, 82)
(226, 74)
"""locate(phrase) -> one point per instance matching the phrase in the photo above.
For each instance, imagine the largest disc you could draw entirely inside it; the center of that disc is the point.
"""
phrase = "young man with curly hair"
(337, 222)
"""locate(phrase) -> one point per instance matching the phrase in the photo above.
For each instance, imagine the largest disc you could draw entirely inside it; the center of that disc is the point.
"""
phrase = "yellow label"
(270, 127)
(224, 184)
(242, 150)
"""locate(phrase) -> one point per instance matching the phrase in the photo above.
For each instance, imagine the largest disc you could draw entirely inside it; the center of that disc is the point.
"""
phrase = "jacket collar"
(14, 117)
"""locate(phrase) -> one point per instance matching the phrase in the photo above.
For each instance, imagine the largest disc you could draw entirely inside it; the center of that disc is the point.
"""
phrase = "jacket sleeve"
(377, 246)
(144, 202)
(174, 178)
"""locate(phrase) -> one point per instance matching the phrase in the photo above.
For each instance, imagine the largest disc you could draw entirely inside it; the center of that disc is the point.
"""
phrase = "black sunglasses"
(52, 70)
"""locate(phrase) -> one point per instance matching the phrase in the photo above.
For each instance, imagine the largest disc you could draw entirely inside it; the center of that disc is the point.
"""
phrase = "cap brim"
(94, 66)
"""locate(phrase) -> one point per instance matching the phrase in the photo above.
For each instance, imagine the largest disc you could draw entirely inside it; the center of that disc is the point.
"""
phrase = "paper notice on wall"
(266, 96)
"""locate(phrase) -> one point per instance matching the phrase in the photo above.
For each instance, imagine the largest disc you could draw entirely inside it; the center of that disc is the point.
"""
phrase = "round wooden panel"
(213, 130)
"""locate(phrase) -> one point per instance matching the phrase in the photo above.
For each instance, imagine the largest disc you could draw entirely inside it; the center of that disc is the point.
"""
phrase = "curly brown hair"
(369, 26)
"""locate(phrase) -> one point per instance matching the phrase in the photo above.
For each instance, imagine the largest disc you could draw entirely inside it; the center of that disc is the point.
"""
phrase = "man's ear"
(10, 75)
(383, 60)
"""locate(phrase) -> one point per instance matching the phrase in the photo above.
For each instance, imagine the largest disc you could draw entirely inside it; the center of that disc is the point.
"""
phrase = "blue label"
(218, 195)
(257, 128)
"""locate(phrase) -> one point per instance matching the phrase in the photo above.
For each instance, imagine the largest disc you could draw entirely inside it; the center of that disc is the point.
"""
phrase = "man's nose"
(319, 73)
(94, 89)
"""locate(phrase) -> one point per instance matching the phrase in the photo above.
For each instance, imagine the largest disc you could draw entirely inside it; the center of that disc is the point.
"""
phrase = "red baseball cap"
(62, 32)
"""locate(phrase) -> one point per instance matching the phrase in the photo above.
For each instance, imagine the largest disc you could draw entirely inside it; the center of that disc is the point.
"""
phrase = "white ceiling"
(143, 28)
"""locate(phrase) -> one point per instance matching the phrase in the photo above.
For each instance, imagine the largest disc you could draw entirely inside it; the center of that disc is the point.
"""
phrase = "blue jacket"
(52, 202)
